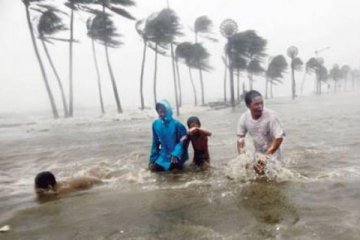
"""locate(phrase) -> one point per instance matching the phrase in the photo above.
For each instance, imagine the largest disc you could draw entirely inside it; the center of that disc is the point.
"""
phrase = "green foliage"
(163, 27)
(297, 64)
(202, 25)
(335, 73)
(195, 55)
(102, 29)
(345, 69)
(50, 23)
(276, 68)
(311, 65)
(246, 49)
(254, 67)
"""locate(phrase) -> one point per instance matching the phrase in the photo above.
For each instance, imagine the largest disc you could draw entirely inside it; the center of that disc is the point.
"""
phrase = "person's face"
(161, 112)
(194, 124)
(256, 107)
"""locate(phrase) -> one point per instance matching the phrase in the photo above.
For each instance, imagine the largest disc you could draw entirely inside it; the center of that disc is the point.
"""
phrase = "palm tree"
(50, 23)
(162, 28)
(296, 65)
(75, 5)
(202, 27)
(46, 82)
(292, 52)
(316, 65)
(93, 32)
(239, 65)
(246, 47)
(184, 50)
(274, 73)
(256, 46)
(141, 30)
(254, 68)
(345, 69)
(103, 30)
(336, 74)
(310, 67)
(355, 76)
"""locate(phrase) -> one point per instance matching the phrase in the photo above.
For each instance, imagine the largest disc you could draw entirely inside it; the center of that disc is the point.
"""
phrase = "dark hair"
(160, 106)
(249, 96)
(44, 179)
(193, 119)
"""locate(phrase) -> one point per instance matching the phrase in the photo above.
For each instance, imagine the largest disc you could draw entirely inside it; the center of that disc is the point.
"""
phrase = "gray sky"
(307, 24)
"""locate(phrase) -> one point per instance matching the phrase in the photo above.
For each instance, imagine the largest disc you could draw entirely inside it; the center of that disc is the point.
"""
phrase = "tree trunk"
(179, 81)
(66, 114)
(271, 90)
(250, 81)
(193, 86)
(238, 86)
(266, 87)
(302, 83)
(47, 86)
(202, 87)
(174, 77)
(293, 84)
(155, 73)
(142, 77)
(71, 93)
(225, 80)
(113, 81)
(98, 77)
(232, 92)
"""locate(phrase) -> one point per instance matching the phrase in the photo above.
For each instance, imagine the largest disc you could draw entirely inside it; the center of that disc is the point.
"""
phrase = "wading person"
(264, 127)
(168, 150)
(199, 140)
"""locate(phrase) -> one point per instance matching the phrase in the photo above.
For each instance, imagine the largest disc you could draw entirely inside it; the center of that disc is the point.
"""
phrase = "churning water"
(315, 195)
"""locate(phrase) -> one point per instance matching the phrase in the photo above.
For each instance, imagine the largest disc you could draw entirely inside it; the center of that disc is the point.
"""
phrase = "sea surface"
(315, 195)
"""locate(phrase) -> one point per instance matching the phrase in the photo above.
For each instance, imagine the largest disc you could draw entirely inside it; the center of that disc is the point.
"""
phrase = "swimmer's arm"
(77, 184)
(240, 144)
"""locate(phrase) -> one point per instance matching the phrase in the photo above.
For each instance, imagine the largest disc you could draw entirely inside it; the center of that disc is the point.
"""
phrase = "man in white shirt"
(264, 127)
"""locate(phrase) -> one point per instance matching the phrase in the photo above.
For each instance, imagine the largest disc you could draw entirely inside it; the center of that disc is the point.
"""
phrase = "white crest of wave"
(240, 169)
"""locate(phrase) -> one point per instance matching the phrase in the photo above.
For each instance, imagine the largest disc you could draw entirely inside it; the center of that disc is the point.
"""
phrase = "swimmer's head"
(45, 181)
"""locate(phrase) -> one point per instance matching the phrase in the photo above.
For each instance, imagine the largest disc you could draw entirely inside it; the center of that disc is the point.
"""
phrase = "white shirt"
(263, 130)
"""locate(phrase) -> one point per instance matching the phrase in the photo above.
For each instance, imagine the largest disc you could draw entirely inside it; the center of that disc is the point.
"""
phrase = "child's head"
(45, 181)
(193, 122)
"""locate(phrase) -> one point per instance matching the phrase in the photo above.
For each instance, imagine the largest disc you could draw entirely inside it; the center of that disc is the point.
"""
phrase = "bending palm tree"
(92, 33)
(275, 71)
(47, 86)
(140, 28)
(162, 28)
(185, 50)
(202, 26)
(49, 24)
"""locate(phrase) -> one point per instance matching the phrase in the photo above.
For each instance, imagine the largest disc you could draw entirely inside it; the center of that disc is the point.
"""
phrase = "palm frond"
(122, 12)
(202, 25)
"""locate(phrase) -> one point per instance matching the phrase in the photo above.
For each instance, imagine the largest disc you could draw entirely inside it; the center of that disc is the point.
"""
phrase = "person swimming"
(45, 183)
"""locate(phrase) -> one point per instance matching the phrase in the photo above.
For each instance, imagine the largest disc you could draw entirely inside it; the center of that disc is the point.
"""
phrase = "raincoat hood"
(167, 108)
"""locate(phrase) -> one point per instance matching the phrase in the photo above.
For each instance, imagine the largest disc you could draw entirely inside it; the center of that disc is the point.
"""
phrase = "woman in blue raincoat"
(167, 150)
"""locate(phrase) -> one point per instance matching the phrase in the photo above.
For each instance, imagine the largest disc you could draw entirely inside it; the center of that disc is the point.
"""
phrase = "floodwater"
(316, 194)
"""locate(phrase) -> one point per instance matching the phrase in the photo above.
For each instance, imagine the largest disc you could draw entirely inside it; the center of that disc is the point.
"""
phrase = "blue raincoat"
(166, 143)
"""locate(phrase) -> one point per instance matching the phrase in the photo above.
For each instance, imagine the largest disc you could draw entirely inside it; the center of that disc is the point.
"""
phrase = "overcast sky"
(307, 24)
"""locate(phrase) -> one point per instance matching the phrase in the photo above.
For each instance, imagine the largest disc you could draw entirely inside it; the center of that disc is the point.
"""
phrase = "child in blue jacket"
(167, 150)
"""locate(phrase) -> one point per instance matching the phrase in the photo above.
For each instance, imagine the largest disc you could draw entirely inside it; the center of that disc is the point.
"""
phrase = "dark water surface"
(316, 196)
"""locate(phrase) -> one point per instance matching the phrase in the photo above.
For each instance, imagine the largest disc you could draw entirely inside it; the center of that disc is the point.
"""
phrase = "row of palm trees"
(101, 29)
(244, 52)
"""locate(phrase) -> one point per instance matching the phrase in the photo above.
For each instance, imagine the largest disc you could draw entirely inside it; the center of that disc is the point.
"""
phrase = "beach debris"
(5, 228)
